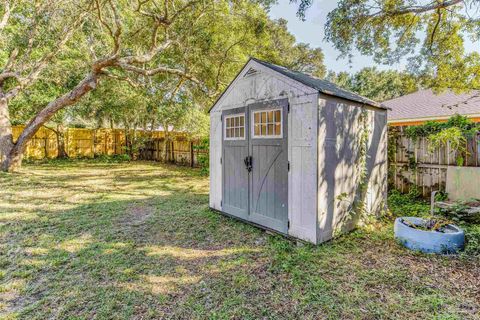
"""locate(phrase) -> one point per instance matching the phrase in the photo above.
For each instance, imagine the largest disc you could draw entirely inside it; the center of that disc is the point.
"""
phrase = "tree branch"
(151, 72)
(147, 56)
(114, 34)
(6, 75)
(126, 79)
(417, 9)
(42, 63)
(432, 36)
(86, 85)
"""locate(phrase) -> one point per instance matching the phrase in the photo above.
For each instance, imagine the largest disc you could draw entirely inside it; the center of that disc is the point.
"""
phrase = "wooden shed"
(296, 154)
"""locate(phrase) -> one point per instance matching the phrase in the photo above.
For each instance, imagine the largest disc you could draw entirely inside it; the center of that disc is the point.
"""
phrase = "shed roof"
(323, 86)
(425, 104)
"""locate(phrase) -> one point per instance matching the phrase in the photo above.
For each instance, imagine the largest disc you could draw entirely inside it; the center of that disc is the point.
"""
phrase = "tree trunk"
(6, 136)
(128, 149)
(61, 152)
(14, 157)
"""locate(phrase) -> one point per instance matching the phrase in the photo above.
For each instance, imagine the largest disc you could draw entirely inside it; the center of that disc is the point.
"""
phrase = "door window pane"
(277, 129)
(278, 118)
(270, 116)
(235, 127)
(270, 129)
(267, 123)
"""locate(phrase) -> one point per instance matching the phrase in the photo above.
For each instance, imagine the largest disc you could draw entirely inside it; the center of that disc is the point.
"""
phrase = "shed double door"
(255, 164)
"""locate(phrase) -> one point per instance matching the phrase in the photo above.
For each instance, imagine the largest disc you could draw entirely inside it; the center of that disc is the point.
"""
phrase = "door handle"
(248, 163)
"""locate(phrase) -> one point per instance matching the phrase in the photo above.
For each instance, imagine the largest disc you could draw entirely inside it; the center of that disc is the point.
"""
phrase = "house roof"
(323, 86)
(426, 105)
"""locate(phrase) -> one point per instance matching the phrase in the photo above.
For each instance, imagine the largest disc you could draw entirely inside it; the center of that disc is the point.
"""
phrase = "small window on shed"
(235, 127)
(267, 123)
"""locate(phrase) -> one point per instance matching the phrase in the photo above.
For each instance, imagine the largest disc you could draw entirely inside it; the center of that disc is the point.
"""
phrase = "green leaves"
(378, 85)
(453, 133)
(430, 35)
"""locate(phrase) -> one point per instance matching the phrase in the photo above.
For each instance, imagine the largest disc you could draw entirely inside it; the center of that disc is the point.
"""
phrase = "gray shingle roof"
(426, 104)
(323, 86)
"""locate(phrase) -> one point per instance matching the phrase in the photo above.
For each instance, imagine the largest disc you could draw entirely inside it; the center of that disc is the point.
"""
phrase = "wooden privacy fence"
(88, 143)
(411, 164)
(179, 150)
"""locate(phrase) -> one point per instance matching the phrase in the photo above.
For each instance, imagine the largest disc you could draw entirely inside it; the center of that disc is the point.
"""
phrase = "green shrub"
(116, 158)
(204, 157)
(412, 205)
(407, 204)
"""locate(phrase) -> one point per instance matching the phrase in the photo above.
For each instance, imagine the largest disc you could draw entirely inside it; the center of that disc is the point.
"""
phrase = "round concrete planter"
(450, 241)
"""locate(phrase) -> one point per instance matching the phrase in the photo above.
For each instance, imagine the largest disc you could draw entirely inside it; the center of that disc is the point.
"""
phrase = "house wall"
(263, 85)
(339, 170)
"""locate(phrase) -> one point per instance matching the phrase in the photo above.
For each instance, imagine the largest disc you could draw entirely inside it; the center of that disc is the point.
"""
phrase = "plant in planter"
(461, 210)
(429, 235)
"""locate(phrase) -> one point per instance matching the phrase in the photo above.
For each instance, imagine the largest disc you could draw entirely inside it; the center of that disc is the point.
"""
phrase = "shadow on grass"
(142, 258)
(151, 248)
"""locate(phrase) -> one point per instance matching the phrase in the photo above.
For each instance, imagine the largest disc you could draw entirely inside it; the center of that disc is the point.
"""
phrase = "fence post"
(94, 134)
(192, 162)
(46, 145)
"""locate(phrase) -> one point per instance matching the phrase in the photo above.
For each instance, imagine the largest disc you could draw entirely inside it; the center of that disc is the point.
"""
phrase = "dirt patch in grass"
(136, 215)
(138, 241)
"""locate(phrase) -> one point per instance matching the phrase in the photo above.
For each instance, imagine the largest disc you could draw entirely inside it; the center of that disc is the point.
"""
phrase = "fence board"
(80, 143)
(414, 164)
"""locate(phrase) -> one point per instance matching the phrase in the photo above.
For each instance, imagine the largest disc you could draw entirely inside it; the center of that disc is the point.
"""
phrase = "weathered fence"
(88, 143)
(413, 164)
(179, 150)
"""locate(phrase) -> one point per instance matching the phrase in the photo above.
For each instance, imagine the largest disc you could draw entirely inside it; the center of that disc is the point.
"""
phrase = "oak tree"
(431, 34)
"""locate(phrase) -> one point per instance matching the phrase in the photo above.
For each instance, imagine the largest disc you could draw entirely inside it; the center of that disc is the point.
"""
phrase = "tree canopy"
(54, 53)
(431, 34)
(379, 85)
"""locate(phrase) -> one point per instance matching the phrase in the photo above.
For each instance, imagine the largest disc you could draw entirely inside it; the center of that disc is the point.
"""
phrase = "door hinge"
(288, 165)
(220, 160)
(288, 107)
(288, 224)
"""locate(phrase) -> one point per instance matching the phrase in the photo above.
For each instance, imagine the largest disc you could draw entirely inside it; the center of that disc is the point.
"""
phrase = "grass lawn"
(84, 239)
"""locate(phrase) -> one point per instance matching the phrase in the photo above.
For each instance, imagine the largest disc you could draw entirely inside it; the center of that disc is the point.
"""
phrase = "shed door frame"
(234, 150)
(268, 180)
(249, 142)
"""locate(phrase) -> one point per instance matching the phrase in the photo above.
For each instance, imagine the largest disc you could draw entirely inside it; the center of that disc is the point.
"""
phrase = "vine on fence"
(464, 124)
(454, 133)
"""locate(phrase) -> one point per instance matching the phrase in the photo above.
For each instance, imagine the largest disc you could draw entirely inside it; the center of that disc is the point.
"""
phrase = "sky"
(311, 31)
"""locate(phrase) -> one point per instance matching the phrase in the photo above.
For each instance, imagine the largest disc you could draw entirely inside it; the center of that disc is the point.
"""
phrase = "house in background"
(424, 105)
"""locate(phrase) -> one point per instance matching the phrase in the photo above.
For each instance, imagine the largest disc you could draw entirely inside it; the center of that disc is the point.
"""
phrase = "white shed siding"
(264, 85)
(338, 154)
(302, 150)
(215, 155)
(378, 166)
